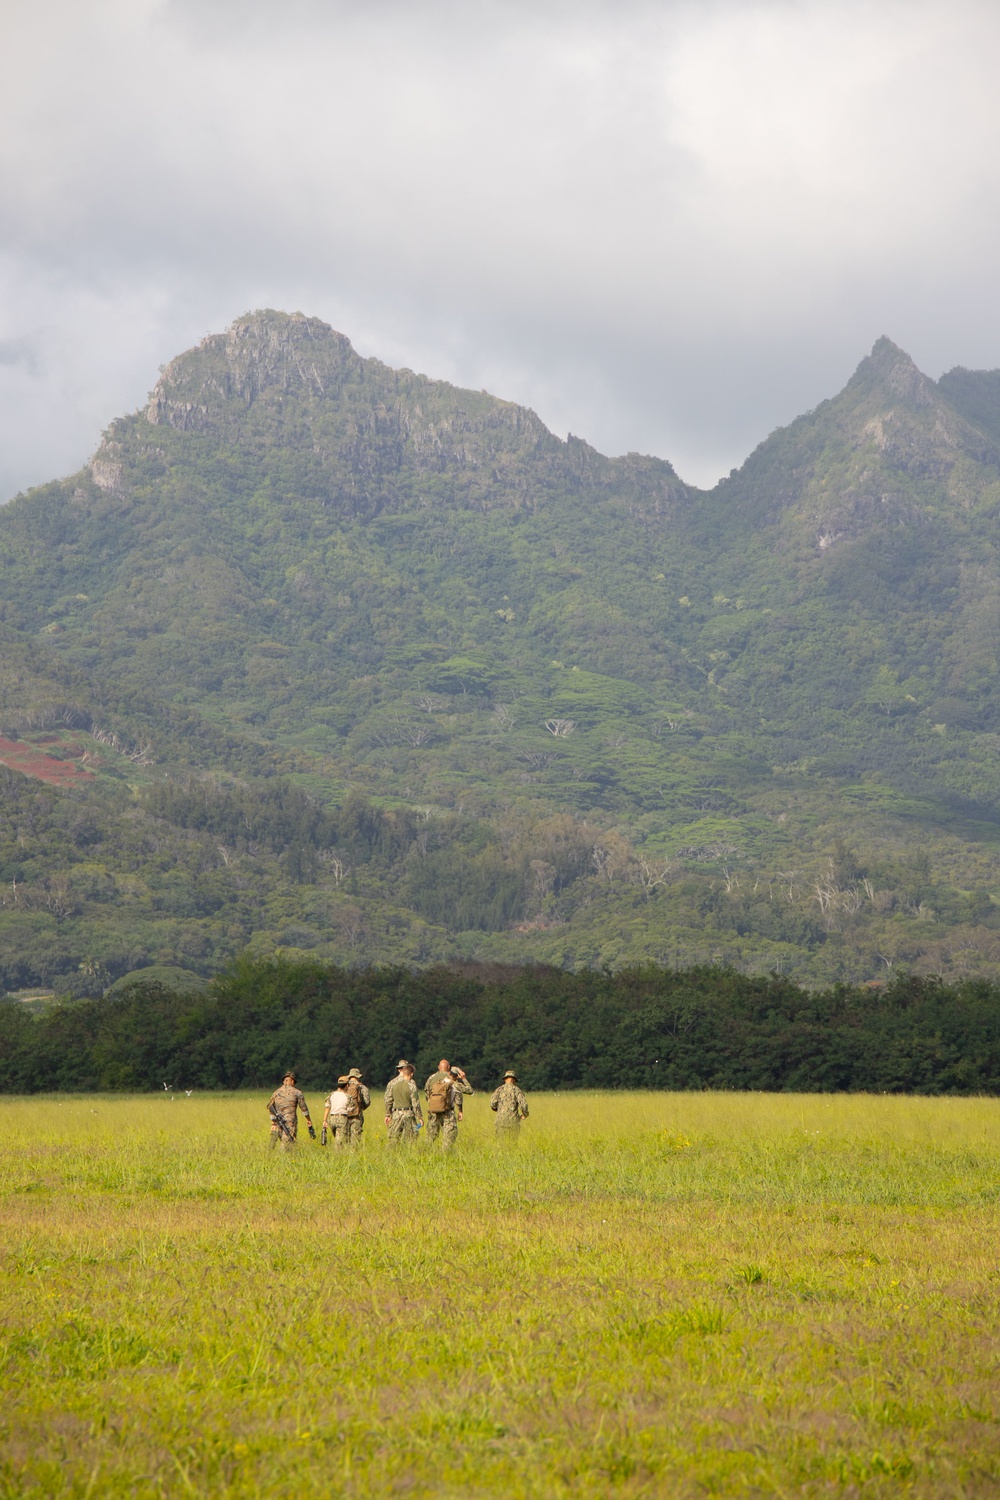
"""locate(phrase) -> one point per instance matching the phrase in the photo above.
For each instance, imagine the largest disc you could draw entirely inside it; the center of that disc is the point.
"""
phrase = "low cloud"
(666, 227)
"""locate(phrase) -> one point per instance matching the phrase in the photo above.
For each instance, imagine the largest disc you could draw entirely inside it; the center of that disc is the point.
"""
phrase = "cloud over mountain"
(665, 227)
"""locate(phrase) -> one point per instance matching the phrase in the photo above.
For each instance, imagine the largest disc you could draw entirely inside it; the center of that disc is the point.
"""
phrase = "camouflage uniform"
(339, 1123)
(461, 1086)
(402, 1122)
(511, 1107)
(356, 1123)
(287, 1100)
(445, 1124)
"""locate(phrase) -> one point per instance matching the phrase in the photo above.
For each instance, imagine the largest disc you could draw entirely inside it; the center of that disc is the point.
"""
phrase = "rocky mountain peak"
(365, 437)
(890, 450)
(261, 352)
(889, 374)
(917, 426)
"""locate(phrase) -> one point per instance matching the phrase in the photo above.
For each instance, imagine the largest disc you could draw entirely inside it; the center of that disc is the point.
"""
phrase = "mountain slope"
(601, 714)
(246, 514)
(874, 521)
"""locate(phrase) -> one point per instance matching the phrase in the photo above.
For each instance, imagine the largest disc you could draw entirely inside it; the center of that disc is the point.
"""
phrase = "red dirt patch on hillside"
(31, 761)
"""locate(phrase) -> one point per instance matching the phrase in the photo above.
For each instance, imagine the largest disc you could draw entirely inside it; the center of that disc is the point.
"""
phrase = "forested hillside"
(356, 663)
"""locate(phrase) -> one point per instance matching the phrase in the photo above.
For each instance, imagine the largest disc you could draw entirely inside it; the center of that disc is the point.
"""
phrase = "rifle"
(278, 1121)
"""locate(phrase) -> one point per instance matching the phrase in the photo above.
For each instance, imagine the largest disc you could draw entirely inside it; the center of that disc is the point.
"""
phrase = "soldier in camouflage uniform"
(287, 1101)
(356, 1123)
(402, 1106)
(452, 1084)
(510, 1106)
(336, 1117)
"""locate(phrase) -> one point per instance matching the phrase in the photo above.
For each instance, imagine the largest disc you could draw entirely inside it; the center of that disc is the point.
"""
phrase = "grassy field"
(648, 1295)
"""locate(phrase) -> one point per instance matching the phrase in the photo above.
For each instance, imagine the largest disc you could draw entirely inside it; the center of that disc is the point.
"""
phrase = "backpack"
(353, 1093)
(441, 1096)
(401, 1097)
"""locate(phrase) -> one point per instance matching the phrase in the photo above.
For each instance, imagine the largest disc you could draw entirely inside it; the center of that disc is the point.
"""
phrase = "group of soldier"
(344, 1114)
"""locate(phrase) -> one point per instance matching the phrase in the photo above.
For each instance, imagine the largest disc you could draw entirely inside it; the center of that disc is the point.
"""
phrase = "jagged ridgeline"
(321, 655)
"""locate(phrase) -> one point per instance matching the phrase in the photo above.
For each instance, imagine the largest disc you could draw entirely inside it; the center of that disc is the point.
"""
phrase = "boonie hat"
(354, 1073)
(510, 1073)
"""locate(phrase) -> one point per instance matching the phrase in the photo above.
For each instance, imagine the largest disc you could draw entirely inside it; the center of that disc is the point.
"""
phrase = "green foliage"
(166, 975)
(343, 646)
(277, 815)
(657, 1028)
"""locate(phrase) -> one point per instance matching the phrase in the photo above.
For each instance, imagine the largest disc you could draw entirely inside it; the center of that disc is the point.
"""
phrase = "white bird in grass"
(167, 1087)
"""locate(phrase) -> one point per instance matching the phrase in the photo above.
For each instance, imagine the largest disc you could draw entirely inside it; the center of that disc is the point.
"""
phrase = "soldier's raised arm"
(461, 1083)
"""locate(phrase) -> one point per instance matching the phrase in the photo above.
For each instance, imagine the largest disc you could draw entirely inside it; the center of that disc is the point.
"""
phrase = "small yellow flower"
(674, 1142)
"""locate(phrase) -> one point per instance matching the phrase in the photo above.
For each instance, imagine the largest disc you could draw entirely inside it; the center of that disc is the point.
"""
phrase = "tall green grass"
(645, 1295)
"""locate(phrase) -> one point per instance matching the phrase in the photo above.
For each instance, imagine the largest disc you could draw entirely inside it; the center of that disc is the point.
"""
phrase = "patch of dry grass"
(648, 1295)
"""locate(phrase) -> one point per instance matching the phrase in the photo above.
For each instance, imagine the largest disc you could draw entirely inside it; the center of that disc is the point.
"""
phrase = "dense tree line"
(645, 1027)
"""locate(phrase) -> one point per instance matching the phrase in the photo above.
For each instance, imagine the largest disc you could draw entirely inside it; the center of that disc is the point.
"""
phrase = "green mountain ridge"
(496, 695)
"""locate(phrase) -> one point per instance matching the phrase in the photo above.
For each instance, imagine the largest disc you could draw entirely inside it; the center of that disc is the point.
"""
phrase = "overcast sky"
(666, 226)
